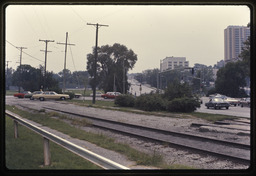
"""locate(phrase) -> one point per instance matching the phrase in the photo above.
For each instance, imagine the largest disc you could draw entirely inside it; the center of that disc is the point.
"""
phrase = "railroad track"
(237, 152)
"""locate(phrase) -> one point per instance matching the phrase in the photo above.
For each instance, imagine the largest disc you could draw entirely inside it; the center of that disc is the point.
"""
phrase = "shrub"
(125, 100)
(183, 105)
(150, 102)
(71, 94)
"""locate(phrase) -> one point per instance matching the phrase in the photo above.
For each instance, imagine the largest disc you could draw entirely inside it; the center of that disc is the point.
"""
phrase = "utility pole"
(7, 74)
(21, 48)
(95, 60)
(123, 78)
(46, 43)
(64, 71)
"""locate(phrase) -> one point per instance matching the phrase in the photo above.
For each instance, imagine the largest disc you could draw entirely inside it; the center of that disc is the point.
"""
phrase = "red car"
(110, 95)
(22, 94)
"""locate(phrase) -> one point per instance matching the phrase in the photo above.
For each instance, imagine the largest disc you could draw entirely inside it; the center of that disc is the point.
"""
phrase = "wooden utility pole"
(21, 48)
(64, 71)
(7, 75)
(95, 60)
(46, 43)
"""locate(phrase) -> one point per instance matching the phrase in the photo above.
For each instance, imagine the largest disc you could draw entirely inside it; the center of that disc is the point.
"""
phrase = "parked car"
(33, 93)
(217, 103)
(98, 94)
(245, 102)
(232, 101)
(77, 95)
(21, 94)
(50, 95)
(111, 95)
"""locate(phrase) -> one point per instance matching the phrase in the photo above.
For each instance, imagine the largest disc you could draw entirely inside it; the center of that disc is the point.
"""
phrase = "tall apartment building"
(170, 63)
(234, 37)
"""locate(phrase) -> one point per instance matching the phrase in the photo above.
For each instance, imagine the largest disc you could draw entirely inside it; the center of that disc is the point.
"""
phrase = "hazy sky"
(152, 32)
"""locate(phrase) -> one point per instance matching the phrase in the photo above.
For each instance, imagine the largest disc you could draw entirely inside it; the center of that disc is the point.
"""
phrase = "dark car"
(217, 103)
(245, 102)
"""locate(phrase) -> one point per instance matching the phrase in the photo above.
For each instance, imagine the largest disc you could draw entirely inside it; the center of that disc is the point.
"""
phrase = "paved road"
(233, 111)
(135, 88)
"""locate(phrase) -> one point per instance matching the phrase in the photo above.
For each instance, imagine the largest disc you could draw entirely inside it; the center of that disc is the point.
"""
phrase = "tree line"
(230, 81)
(112, 67)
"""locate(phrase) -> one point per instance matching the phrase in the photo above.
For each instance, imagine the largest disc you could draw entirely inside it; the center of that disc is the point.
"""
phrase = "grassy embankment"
(98, 139)
(26, 152)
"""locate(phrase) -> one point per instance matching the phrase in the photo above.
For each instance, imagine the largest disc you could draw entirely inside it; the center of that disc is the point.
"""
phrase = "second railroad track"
(237, 152)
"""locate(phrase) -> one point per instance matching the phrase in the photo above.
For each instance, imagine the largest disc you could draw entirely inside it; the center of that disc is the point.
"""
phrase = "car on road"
(50, 95)
(232, 101)
(77, 95)
(98, 94)
(245, 102)
(111, 95)
(21, 94)
(33, 93)
(217, 103)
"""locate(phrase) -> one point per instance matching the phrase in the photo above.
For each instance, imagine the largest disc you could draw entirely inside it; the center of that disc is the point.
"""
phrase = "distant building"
(170, 63)
(220, 64)
(234, 37)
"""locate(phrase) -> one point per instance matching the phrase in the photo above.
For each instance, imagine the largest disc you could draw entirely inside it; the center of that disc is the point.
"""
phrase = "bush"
(183, 105)
(71, 94)
(125, 100)
(150, 102)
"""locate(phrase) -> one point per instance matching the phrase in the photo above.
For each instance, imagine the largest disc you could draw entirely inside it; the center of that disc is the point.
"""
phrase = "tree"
(32, 79)
(177, 90)
(27, 77)
(245, 56)
(112, 65)
(230, 80)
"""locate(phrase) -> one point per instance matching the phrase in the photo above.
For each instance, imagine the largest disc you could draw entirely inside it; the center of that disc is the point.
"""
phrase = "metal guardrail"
(86, 154)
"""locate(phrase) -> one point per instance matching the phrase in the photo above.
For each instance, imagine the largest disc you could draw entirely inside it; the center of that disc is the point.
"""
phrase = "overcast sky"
(152, 32)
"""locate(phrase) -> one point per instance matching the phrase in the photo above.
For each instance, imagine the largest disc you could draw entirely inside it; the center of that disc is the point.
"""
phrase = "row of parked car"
(53, 95)
(218, 101)
(41, 95)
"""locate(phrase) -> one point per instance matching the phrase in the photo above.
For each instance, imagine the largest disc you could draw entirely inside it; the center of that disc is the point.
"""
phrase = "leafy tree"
(245, 56)
(113, 63)
(230, 79)
(32, 79)
(27, 77)
(177, 90)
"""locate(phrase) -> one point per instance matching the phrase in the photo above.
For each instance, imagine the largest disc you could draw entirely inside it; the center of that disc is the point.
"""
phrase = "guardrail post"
(47, 154)
(15, 123)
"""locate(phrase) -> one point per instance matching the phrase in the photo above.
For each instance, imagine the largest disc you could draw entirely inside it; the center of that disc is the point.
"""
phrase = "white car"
(98, 94)
(50, 95)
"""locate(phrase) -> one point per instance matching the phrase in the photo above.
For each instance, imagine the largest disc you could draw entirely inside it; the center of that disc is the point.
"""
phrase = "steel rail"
(186, 135)
(184, 145)
(82, 152)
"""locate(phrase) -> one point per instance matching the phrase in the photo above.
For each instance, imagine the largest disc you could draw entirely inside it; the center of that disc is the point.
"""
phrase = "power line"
(24, 52)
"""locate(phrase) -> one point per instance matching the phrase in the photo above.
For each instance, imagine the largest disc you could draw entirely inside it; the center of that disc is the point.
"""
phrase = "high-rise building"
(170, 63)
(234, 37)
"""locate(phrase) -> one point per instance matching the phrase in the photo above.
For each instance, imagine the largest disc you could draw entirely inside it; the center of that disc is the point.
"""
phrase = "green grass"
(26, 152)
(84, 93)
(11, 92)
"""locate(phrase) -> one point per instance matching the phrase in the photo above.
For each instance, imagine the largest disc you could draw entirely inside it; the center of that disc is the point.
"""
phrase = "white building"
(234, 37)
(170, 63)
